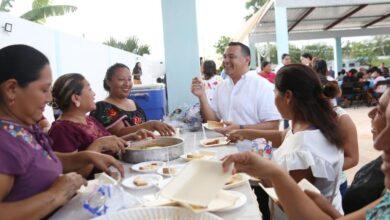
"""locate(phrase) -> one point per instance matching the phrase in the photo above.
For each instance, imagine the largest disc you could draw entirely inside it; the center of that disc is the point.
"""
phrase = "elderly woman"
(296, 204)
(119, 114)
(34, 181)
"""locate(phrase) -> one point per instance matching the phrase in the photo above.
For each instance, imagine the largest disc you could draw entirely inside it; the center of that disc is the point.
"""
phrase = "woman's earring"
(12, 102)
(77, 104)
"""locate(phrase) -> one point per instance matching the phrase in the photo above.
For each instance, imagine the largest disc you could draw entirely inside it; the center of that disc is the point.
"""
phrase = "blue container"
(151, 98)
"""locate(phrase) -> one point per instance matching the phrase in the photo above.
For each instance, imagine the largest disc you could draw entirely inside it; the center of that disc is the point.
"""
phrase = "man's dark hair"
(244, 48)
(264, 64)
(285, 55)
(307, 55)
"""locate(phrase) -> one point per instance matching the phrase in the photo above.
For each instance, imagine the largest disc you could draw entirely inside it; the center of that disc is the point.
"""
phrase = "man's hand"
(230, 126)
(197, 87)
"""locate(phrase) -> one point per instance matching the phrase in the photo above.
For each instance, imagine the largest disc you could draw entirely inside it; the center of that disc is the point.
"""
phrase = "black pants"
(262, 199)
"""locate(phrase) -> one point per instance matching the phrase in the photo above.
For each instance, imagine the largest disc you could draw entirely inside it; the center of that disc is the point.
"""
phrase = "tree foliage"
(221, 45)
(131, 45)
(253, 6)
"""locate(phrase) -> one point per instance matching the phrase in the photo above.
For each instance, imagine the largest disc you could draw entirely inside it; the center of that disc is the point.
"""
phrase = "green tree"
(322, 51)
(41, 9)
(253, 6)
(294, 52)
(221, 45)
(131, 45)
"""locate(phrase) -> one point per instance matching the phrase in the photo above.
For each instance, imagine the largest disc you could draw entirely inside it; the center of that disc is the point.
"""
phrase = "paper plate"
(212, 125)
(239, 179)
(177, 167)
(150, 213)
(220, 141)
(151, 179)
(205, 155)
(147, 167)
(238, 204)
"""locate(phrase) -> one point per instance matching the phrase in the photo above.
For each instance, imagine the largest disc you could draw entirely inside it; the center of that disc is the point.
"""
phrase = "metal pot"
(145, 150)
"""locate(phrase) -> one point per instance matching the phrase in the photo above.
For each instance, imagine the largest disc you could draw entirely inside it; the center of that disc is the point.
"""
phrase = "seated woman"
(34, 181)
(74, 130)
(298, 205)
(312, 148)
(210, 78)
(121, 115)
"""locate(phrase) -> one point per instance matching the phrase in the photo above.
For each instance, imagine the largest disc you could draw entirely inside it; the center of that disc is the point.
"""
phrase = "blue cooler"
(151, 98)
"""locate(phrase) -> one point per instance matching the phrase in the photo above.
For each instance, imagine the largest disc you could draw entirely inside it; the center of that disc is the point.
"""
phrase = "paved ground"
(366, 150)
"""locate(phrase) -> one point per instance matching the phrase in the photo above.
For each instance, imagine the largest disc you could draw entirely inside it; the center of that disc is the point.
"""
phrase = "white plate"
(221, 142)
(147, 213)
(212, 127)
(207, 155)
(244, 179)
(151, 179)
(238, 204)
(137, 167)
(163, 183)
(178, 168)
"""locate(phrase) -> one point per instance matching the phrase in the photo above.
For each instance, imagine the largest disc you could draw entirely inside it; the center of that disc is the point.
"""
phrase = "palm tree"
(41, 9)
(131, 45)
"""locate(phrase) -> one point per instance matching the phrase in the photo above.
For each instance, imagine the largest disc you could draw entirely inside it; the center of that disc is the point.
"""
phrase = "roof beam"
(360, 7)
(301, 17)
(376, 20)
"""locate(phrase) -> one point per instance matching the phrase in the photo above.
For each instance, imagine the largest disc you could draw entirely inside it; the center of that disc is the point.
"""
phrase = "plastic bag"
(106, 198)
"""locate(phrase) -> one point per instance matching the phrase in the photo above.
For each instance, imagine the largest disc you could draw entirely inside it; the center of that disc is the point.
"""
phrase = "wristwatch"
(241, 126)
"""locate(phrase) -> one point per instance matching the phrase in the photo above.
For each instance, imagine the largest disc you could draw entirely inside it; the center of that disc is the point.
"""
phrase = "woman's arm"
(41, 204)
(350, 146)
(275, 136)
(120, 130)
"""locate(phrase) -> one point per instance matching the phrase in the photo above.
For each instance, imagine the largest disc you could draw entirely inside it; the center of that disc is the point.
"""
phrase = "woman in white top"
(312, 149)
(210, 78)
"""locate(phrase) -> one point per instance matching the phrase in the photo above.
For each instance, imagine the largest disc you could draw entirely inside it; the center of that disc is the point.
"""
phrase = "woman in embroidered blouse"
(312, 148)
(296, 204)
(121, 115)
(31, 181)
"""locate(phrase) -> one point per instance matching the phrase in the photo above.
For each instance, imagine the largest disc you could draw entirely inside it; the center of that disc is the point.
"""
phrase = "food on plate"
(138, 181)
(199, 155)
(234, 179)
(150, 166)
(194, 155)
(214, 124)
(169, 170)
(212, 142)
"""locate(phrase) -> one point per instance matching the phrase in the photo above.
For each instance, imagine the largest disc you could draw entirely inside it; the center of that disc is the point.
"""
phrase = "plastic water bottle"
(267, 150)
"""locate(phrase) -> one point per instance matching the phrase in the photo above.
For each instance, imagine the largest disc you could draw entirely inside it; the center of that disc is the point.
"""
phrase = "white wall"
(70, 54)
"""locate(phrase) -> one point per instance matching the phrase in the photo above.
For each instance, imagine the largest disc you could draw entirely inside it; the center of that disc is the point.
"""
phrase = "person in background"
(331, 72)
(341, 75)
(137, 73)
(379, 89)
(34, 180)
(306, 59)
(286, 60)
(266, 71)
(211, 78)
(243, 100)
(120, 115)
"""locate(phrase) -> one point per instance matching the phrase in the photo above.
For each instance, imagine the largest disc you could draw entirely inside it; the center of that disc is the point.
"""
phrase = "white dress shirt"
(250, 101)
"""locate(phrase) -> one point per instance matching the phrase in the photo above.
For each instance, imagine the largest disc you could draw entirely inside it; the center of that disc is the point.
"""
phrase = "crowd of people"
(319, 146)
(39, 172)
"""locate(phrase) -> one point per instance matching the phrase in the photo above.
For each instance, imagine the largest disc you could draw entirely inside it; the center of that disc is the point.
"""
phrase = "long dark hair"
(309, 102)
(22, 63)
(137, 70)
(209, 69)
(63, 89)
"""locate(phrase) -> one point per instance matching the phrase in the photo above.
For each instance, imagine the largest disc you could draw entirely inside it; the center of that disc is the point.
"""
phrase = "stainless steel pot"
(146, 150)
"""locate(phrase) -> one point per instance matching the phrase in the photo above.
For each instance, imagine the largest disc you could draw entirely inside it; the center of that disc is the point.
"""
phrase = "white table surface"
(73, 210)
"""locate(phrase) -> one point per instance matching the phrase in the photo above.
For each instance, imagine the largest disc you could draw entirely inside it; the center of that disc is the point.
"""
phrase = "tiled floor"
(366, 150)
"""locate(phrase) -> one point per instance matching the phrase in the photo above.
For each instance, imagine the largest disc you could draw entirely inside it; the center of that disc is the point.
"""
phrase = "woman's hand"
(237, 135)
(252, 164)
(66, 186)
(162, 128)
(230, 126)
(108, 143)
(103, 162)
(139, 135)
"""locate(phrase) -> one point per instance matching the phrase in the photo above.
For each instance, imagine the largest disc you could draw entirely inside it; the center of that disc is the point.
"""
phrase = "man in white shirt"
(286, 60)
(243, 100)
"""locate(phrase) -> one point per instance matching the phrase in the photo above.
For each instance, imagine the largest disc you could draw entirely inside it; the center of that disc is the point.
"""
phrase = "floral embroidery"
(112, 113)
(137, 120)
(19, 132)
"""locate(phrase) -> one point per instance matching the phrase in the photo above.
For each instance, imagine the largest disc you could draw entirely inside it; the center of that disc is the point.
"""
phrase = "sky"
(98, 20)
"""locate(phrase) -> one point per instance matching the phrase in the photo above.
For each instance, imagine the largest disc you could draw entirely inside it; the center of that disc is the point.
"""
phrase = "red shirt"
(270, 76)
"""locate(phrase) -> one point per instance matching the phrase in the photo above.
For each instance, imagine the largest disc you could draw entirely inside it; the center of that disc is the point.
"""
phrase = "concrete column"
(337, 55)
(281, 30)
(253, 50)
(181, 49)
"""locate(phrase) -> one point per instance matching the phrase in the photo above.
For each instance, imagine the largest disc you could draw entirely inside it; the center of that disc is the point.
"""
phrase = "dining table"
(250, 210)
